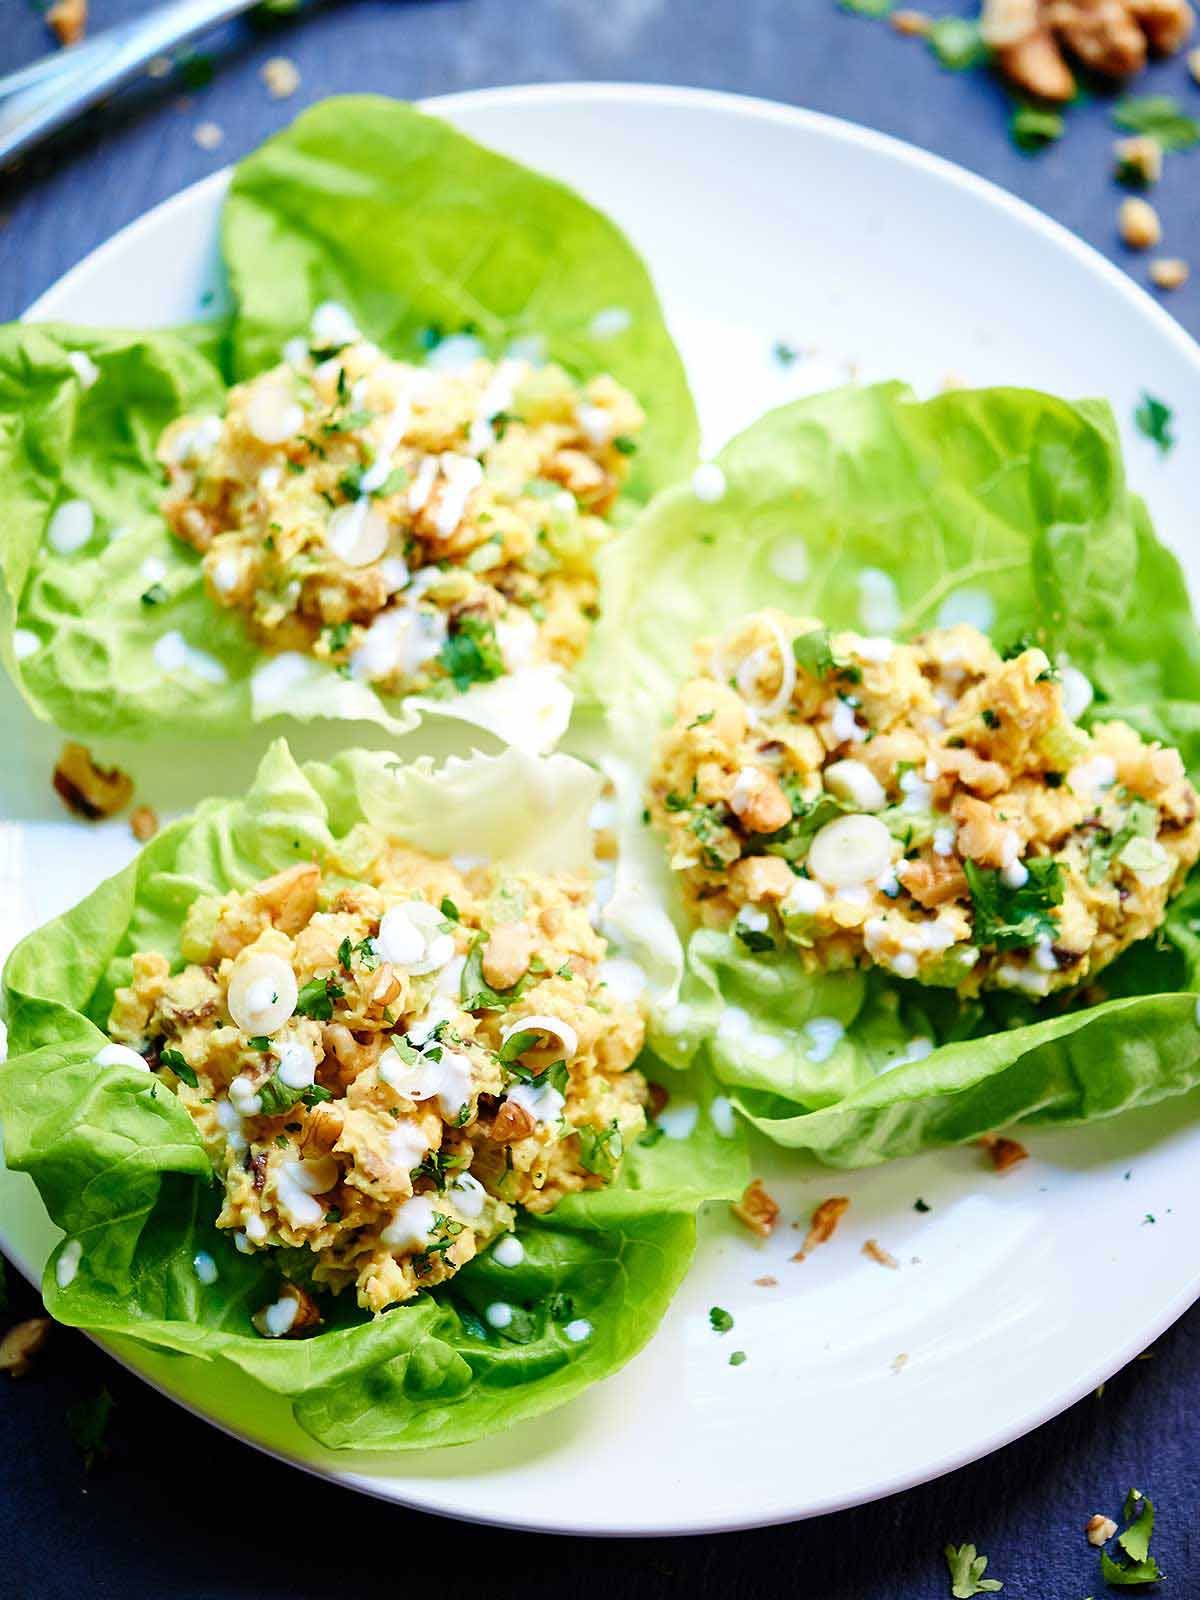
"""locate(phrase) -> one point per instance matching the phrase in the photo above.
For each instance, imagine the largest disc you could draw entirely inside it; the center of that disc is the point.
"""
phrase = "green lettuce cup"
(433, 248)
(872, 511)
(122, 1170)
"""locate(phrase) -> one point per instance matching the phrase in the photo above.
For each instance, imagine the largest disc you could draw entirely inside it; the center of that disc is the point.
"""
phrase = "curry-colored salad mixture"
(422, 529)
(387, 1063)
(931, 807)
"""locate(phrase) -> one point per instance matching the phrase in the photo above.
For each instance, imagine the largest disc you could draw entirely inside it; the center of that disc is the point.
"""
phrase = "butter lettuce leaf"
(871, 510)
(423, 234)
(121, 1170)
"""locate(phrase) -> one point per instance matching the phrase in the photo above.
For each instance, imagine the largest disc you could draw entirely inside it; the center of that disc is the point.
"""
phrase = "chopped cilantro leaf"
(1013, 919)
(698, 722)
(957, 43)
(1138, 1514)
(719, 1320)
(258, 1041)
(155, 595)
(1160, 116)
(967, 1570)
(756, 940)
(1032, 128)
(624, 445)
(471, 653)
(737, 1358)
(1153, 418)
(866, 8)
(785, 354)
(316, 998)
(337, 636)
(449, 909)
(600, 1149)
(921, 1205)
(185, 1074)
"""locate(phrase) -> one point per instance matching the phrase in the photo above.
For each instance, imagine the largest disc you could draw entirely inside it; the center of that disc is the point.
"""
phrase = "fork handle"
(41, 98)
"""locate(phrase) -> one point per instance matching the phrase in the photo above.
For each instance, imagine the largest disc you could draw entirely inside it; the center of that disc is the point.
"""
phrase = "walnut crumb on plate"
(756, 1209)
(1004, 1153)
(876, 1252)
(823, 1224)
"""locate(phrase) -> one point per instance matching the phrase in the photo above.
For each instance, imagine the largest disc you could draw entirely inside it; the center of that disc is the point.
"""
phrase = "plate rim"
(1140, 303)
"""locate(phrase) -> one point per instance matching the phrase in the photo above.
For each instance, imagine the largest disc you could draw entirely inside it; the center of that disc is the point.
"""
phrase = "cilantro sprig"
(967, 1568)
(1013, 919)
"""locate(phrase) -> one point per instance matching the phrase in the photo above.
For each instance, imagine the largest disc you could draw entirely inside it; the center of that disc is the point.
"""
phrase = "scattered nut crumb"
(900, 1362)
(1139, 159)
(912, 24)
(21, 1344)
(824, 1221)
(1099, 1529)
(1193, 62)
(208, 135)
(1169, 272)
(1138, 224)
(88, 790)
(143, 823)
(756, 1209)
(159, 67)
(1004, 1153)
(885, 1258)
(68, 20)
(281, 76)
(766, 1282)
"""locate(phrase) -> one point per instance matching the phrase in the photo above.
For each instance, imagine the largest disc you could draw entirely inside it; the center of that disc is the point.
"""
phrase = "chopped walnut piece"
(281, 76)
(1099, 1529)
(1167, 24)
(507, 955)
(824, 1221)
(766, 1282)
(1031, 39)
(1004, 1153)
(21, 1344)
(1169, 272)
(512, 1123)
(756, 1209)
(1138, 224)
(876, 1252)
(305, 1320)
(68, 19)
(88, 790)
(143, 823)
(912, 24)
(658, 1099)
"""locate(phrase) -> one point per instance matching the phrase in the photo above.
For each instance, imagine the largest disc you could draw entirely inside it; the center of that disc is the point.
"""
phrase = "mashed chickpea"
(386, 1063)
(928, 807)
(420, 529)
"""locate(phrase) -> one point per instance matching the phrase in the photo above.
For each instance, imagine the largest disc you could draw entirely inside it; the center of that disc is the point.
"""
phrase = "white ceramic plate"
(761, 224)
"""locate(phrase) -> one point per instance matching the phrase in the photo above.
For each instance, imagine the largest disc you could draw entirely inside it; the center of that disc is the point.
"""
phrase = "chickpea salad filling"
(386, 1067)
(932, 808)
(419, 528)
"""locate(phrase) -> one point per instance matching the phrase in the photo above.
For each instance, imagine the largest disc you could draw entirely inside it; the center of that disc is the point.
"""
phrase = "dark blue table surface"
(176, 1510)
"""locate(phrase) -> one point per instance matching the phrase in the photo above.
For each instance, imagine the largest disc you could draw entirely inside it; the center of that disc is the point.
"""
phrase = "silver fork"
(43, 97)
